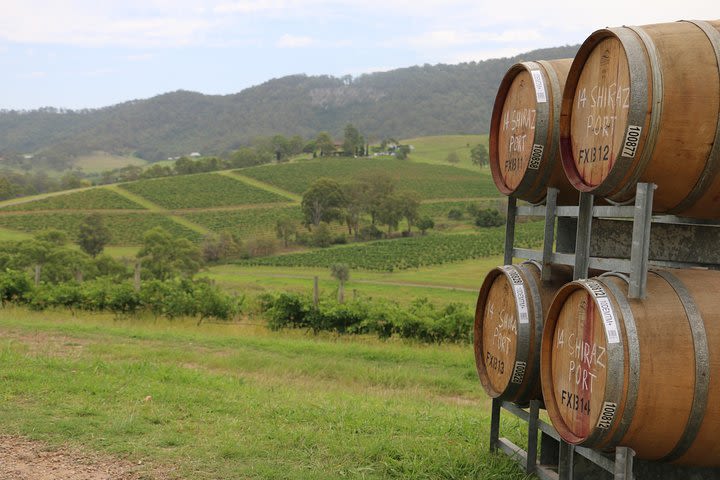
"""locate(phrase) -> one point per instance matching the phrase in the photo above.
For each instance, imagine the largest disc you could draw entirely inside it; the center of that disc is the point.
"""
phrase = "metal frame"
(557, 457)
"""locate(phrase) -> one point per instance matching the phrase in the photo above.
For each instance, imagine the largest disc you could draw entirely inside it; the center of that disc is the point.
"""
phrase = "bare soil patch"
(23, 459)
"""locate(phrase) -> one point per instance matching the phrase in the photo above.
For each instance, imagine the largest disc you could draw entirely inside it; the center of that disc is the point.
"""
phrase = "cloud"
(293, 41)
(141, 57)
(32, 75)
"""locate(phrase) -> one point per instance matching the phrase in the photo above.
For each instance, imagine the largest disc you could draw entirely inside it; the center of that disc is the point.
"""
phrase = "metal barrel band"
(655, 112)
(531, 183)
(550, 155)
(633, 344)
(523, 344)
(712, 165)
(614, 374)
(702, 367)
(637, 69)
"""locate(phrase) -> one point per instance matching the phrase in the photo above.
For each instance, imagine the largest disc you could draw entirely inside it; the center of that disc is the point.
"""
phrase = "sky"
(94, 53)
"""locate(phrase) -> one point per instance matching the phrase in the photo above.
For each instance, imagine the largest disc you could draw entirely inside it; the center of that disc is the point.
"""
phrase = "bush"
(455, 214)
(322, 236)
(422, 321)
(370, 232)
(489, 217)
(14, 286)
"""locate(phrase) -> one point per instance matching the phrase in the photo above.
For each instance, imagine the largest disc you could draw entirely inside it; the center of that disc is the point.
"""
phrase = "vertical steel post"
(566, 465)
(510, 218)
(624, 464)
(584, 228)
(532, 448)
(640, 249)
(495, 425)
(549, 236)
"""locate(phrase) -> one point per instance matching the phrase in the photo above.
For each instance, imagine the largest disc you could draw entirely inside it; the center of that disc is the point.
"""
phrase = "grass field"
(436, 149)
(237, 402)
(98, 162)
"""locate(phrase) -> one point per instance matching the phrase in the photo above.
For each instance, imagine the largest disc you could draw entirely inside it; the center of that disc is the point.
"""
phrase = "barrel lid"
(497, 341)
(579, 351)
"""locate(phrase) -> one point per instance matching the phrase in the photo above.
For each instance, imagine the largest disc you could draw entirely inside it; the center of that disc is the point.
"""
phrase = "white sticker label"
(518, 372)
(536, 156)
(632, 139)
(606, 311)
(521, 303)
(607, 415)
(540, 94)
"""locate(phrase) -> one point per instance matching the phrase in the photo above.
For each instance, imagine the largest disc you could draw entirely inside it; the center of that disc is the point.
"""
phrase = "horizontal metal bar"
(549, 430)
(546, 473)
(597, 458)
(531, 211)
(517, 411)
(513, 451)
(528, 254)
(672, 219)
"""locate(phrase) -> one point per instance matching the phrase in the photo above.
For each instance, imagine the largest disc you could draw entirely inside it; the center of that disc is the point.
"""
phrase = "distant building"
(195, 154)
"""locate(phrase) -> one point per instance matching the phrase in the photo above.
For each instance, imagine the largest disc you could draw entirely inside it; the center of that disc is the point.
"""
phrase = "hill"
(408, 102)
(246, 202)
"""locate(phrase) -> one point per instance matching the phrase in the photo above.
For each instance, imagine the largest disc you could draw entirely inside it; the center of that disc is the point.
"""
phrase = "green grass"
(237, 402)
(89, 199)
(201, 191)
(436, 149)
(441, 284)
(98, 162)
(430, 181)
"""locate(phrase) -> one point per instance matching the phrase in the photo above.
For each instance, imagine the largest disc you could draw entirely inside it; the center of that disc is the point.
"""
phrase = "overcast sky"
(94, 53)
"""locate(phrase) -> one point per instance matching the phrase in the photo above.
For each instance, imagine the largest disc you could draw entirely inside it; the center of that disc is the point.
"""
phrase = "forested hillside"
(408, 102)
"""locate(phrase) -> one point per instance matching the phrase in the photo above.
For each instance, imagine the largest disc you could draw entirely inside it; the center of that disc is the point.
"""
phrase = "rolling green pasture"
(238, 402)
(88, 199)
(435, 149)
(200, 191)
(430, 181)
(126, 228)
(98, 162)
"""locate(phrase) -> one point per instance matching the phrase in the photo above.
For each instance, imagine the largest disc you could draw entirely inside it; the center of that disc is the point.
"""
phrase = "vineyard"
(200, 191)
(430, 181)
(127, 228)
(413, 252)
(92, 199)
(251, 222)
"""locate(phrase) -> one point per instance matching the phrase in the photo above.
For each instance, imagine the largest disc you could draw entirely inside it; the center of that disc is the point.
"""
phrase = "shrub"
(14, 286)
(455, 214)
(489, 217)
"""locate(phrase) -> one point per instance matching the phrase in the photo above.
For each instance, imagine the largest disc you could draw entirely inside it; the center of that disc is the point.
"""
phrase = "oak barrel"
(524, 134)
(508, 327)
(637, 373)
(642, 104)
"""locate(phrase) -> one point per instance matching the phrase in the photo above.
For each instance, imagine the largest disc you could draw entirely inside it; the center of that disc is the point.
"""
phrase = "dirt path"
(22, 459)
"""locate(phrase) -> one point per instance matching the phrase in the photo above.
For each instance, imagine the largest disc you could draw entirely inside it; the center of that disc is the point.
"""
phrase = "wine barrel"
(642, 104)
(637, 373)
(524, 139)
(508, 328)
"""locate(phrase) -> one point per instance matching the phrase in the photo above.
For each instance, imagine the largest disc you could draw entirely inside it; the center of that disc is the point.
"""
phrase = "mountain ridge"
(406, 102)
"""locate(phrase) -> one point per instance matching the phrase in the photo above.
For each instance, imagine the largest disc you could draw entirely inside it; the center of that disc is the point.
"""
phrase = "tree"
(409, 206)
(324, 143)
(452, 157)
(390, 212)
(402, 152)
(357, 197)
(53, 236)
(93, 235)
(353, 142)
(479, 155)
(220, 247)
(425, 224)
(285, 228)
(322, 201)
(381, 186)
(341, 273)
(165, 256)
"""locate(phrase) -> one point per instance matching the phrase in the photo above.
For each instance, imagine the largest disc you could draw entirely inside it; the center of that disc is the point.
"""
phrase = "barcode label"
(540, 94)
